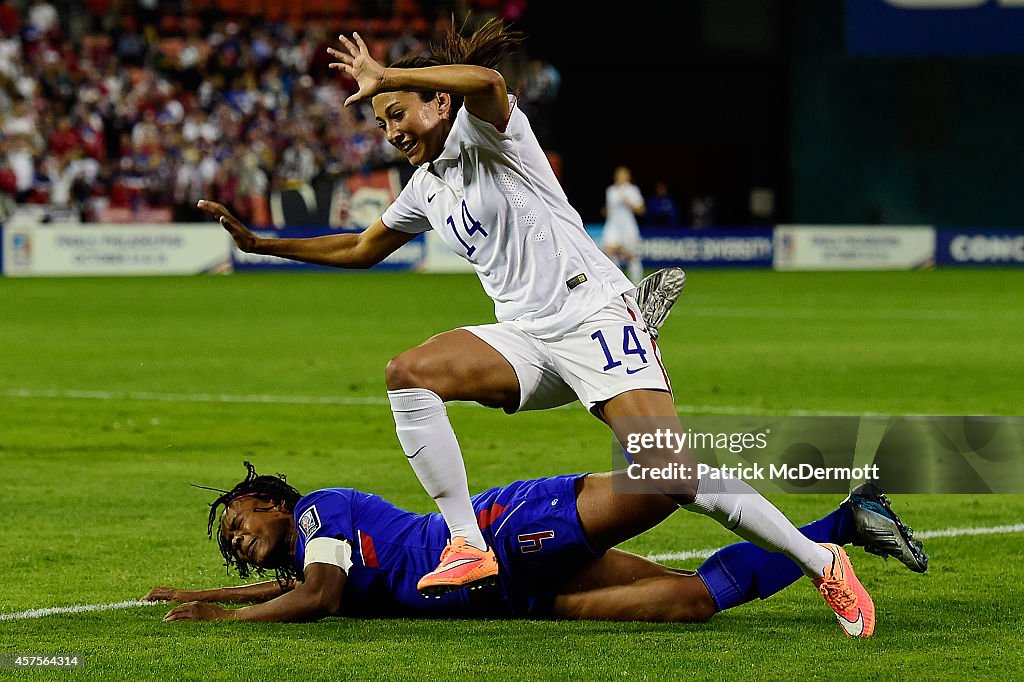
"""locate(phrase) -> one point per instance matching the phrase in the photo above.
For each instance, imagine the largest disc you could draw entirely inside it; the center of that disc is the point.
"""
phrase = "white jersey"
(620, 221)
(493, 198)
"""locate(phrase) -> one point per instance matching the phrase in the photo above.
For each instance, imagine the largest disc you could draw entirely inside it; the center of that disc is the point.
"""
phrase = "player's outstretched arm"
(317, 596)
(258, 592)
(484, 90)
(362, 250)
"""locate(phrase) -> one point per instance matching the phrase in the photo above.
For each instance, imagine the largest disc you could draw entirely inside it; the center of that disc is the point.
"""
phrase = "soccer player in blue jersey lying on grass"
(343, 552)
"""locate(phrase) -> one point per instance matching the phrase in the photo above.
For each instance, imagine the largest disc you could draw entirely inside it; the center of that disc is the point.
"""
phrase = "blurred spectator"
(101, 15)
(8, 179)
(21, 159)
(69, 180)
(197, 126)
(621, 238)
(662, 209)
(538, 91)
(54, 76)
(251, 188)
(298, 164)
(162, 102)
(10, 57)
(42, 20)
(405, 44)
(21, 122)
(190, 186)
(145, 135)
(702, 211)
(90, 131)
(148, 15)
(130, 45)
(64, 138)
(10, 22)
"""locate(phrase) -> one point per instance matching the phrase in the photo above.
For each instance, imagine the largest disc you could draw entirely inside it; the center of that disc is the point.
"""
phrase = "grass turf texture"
(98, 510)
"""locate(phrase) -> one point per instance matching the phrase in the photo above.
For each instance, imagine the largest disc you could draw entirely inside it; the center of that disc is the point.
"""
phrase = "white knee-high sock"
(429, 442)
(737, 506)
(636, 270)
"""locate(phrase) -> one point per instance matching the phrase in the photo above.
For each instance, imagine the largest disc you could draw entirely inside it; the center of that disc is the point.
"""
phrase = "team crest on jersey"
(309, 522)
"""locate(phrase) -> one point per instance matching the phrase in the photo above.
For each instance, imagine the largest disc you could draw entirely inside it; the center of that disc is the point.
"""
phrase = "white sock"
(429, 442)
(741, 509)
(636, 270)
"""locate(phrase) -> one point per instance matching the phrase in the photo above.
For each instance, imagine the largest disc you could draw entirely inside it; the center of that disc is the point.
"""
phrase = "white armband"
(329, 551)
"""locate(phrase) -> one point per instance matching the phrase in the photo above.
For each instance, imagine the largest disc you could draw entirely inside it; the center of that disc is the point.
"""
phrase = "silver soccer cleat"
(880, 531)
(656, 294)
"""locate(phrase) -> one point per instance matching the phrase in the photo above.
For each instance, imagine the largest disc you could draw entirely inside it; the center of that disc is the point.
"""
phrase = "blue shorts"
(538, 541)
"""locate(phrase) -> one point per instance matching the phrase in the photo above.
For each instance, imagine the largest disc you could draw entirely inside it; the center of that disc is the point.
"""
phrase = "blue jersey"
(532, 526)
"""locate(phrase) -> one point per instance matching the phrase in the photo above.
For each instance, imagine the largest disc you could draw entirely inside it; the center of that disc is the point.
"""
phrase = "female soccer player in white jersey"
(620, 239)
(568, 327)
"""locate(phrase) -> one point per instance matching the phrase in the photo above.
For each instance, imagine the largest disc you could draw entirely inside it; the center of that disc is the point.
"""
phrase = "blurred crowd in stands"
(153, 104)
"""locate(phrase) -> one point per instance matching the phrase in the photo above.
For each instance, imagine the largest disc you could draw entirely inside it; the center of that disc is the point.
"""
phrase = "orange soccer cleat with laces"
(462, 565)
(844, 593)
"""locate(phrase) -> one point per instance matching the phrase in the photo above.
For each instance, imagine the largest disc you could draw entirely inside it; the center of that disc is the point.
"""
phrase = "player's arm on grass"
(263, 591)
(317, 596)
(351, 250)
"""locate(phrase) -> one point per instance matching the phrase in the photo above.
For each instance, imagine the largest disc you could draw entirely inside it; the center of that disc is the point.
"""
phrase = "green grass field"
(115, 394)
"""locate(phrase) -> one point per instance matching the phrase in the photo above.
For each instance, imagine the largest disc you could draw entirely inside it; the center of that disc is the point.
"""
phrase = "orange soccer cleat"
(844, 593)
(461, 566)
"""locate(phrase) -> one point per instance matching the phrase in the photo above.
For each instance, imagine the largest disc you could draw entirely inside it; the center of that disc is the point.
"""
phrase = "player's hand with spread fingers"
(244, 238)
(198, 610)
(355, 60)
(160, 593)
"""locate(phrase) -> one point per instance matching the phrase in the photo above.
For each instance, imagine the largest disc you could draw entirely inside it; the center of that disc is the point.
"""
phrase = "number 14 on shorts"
(630, 346)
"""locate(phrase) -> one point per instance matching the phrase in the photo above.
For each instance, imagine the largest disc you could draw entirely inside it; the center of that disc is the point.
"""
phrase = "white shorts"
(606, 355)
(621, 235)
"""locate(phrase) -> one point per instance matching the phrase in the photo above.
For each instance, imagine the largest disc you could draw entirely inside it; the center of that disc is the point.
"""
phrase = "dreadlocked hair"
(487, 46)
(269, 488)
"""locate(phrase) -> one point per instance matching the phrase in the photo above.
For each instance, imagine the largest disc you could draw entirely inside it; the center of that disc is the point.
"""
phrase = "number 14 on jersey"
(470, 226)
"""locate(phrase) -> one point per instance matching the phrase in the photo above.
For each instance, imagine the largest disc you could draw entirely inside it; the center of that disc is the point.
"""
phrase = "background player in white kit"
(568, 327)
(620, 239)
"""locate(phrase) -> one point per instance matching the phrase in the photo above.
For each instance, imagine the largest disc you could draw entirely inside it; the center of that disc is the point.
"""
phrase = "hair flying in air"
(487, 46)
(269, 488)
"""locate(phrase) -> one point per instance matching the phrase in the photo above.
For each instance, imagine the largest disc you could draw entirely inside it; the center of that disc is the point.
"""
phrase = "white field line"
(372, 400)
(874, 313)
(670, 556)
(957, 532)
(197, 397)
(923, 535)
(78, 608)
